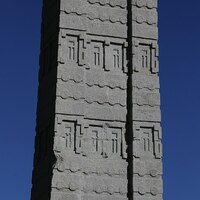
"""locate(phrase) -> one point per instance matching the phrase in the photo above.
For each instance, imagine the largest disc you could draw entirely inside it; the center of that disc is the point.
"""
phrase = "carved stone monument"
(98, 134)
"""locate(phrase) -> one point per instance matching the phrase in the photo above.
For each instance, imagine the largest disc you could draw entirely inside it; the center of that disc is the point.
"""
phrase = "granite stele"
(98, 134)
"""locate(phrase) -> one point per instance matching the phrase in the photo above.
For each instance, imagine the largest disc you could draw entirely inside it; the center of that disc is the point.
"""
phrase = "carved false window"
(115, 147)
(69, 135)
(147, 141)
(97, 140)
(145, 58)
(72, 49)
(69, 139)
(115, 141)
(106, 141)
(116, 57)
(97, 54)
(157, 142)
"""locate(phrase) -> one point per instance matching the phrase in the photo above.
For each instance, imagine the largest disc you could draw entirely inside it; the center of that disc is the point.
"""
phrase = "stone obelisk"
(98, 133)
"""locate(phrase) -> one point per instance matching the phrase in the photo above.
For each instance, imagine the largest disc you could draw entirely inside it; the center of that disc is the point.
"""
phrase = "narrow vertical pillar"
(147, 134)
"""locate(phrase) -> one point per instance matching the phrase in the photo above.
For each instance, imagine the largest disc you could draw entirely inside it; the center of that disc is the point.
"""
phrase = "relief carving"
(97, 54)
(141, 81)
(147, 142)
(75, 75)
(80, 50)
(88, 12)
(108, 56)
(91, 90)
(106, 80)
(145, 3)
(149, 186)
(89, 184)
(112, 3)
(114, 57)
(69, 136)
(81, 137)
(86, 166)
(148, 167)
(151, 99)
(141, 16)
(145, 57)
(105, 141)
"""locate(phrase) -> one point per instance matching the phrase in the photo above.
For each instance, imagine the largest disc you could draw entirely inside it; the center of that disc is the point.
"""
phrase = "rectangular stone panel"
(147, 140)
(145, 31)
(150, 167)
(146, 113)
(95, 94)
(143, 81)
(144, 98)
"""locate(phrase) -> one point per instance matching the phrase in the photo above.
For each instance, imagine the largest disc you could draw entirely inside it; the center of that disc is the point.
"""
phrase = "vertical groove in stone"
(129, 124)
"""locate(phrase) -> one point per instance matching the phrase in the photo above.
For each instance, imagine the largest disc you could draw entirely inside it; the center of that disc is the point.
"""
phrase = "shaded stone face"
(98, 134)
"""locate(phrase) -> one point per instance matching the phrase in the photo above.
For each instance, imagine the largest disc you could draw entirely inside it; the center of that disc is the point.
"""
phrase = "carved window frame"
(138, 142)
(96, 140)
(100, 60)
(118, 140)
(72, 39)
(119, 48)
(152, 60)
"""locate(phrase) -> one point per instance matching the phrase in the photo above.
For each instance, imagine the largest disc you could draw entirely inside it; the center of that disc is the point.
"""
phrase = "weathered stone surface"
(145, 16)
(146, 98)
(144, 31)
(147, 185)
(90, 166)
(147, 167)
(142, 81)
(105, 113)
(89, 184)
(92, 94)
(146, 113)
(98, 133)
(138, 196)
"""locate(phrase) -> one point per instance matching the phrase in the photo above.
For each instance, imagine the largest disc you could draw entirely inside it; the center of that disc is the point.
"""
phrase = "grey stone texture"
(98, 133)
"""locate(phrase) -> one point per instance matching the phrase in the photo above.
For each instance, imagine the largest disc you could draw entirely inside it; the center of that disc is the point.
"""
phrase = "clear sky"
(180, 81)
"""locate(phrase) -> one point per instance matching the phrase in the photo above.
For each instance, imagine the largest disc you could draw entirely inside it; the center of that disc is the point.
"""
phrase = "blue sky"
(180, 80)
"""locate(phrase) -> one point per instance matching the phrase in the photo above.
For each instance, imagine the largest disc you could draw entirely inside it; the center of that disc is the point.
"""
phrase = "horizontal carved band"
(112, 3)
(145, 3)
